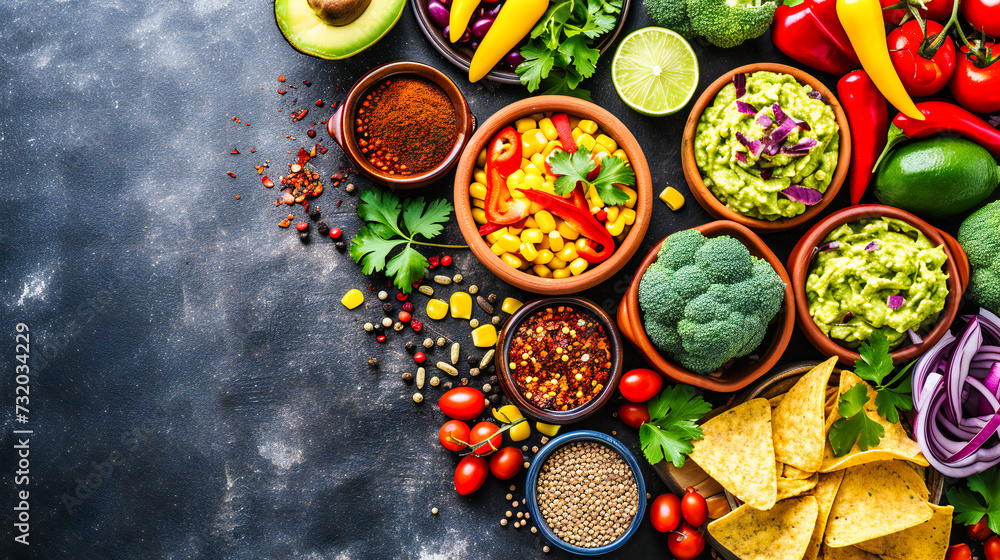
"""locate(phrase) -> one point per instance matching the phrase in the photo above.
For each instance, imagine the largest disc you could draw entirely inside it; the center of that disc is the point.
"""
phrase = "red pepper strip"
(868, 116)
(489, 228)
(501, 208)
(940, 116)
(504, 152)
(579, 199)
(811, 33)
(565, 131)
(580, 220)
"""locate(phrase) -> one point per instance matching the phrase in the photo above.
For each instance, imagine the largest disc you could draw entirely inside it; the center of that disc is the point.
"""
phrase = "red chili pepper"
(940, 116)
(565, 131)
(501, 208)
(580, 220)
(489, 228)
(868, 116)
(504, 152)
(579, 199)
(811, 33)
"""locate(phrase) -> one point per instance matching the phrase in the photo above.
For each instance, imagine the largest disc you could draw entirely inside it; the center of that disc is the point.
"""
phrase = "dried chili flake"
(322, 149)
(433, 262)
(260, 169)
(338, 202)
(231, 174)
(235, 152)
(303, 182)
(284, 223)
(311, 133)
(282, 92)
(253, 150)
(307, 83)
(402, 297)
(319, 102)
(267, 182)
(281, 77)
(303, 156)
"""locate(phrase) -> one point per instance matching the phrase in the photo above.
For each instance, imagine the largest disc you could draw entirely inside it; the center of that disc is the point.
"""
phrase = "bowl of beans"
(553, 194)
(586, 493)
(403, 124)
(559, 359)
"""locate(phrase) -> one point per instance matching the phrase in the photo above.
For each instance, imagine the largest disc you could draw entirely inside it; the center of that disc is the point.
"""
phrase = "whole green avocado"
(980, 237)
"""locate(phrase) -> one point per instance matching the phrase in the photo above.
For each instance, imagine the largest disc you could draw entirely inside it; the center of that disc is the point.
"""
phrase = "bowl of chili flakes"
(559, 359)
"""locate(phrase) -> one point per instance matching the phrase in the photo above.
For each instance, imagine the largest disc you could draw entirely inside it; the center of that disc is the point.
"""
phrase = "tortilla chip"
(736, 450)
(874, 500)
(847, 553)
(776, 400)
(779, 468)
(825, 492)
(781, 533)
(795, 474)
(799, 420)
(927, 541)
(788, 487)
(895, 443)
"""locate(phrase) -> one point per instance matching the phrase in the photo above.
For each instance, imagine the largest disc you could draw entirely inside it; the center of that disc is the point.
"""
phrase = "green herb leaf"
(970, 507)
(538, 62)
(570, 169)
(853, 401)
(874, 366)
(671, 429)
(573, 168)
(854, 426)
(370, 250)
(426, 220)
(875, 362)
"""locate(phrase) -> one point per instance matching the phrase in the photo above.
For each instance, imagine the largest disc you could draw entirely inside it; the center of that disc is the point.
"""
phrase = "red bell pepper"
(940, 116)
(501, 208)
(810, 32)
(580, 220)
(579, 199)
(868, 115)
(565, 131)
(505, 152)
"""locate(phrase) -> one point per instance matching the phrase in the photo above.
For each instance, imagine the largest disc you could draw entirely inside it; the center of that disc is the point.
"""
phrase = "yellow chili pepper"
(513, 23)
(459, 16)
(508, 414)
(862, 20)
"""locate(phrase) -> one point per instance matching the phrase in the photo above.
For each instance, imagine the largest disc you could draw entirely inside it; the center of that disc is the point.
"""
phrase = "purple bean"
(438, 12)
(480, 12)
(466, 36)
(474, 45)
(494, 11)
(481, 26)
(513, 59)
(447, 36)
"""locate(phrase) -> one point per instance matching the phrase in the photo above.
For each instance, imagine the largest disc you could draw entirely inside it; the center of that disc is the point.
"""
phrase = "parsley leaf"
(382, 234)
(970, 507)
(538, 62)
(672, 428)
(854, 424)
(573, 168)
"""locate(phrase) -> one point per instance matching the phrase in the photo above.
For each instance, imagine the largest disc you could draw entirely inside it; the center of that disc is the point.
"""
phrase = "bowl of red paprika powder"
(403, 125)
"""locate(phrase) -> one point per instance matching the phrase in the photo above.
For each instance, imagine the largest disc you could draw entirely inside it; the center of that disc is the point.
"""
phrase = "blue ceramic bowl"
(532, 499)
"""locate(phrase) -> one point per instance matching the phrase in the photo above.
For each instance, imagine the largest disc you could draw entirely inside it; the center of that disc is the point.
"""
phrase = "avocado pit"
(339, 12)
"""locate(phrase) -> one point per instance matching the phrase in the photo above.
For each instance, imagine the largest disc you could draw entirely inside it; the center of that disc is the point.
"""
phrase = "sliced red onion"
(895, 302)
(816, 95)
(745, 108)
(992, 382)
(781, 133)
(802, 148)
(764, 121)
(755, 146)
(802, 124)
(779, 115)
(766, 174)
(741, 157)
(805, 195)
(914, 337)
(740, 81)
(831, 246)
(847, 317)
(873, 246)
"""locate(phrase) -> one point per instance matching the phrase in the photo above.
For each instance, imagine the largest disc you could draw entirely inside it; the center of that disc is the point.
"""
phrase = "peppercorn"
(492, 298)
(456, 278)
(428, 343)
(373, 361)
(369, 327)
(446, 385)
(387, 308)
(487, 388)
(314, 214)
(474, 371)
(474, 323)
(492, 380)
(311, 133)
(418, 398)
(419, 357)
(495, 320)
(407, 377)
(386, 322)
(473, 289)
(304, 236)
(465, 381)
(322, 228)
(340, 246)
(446, 260)
(435, 381)
(335, 233)
(494, 399)
(408, 306)
(378, 328)
(434, 511)
(441, 341)
(397, 326)
(383, 294)
(410, 346)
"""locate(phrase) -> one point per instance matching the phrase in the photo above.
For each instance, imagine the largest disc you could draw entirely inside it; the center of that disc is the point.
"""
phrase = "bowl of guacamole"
(767, 146)
(872, 268)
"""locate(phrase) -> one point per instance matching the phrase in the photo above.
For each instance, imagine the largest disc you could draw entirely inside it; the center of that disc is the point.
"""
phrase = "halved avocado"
(335, 29)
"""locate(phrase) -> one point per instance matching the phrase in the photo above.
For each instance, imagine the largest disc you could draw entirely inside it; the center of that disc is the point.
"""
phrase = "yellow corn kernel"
(437, 309)
(556, 263)
(477, 190)
(532, 235)
(497, 249)
(594, 199)
(599, 152)
(538, 116)
(492, 238)
(588, 126)
(612, 213)
(550, 178)
(533, 142)
(632, 196)
(509, 242)
(510, 305)
(513, 260)
(538, 160)
(574, 121)
(545, 221)
(479, 176)
(561, 273)
(515, 232)
(587, 141)
(617, 226)
(568, 253)
(629, 215)
(532, 170)
(542, 271)
(548, 429)
(530, 222)
(515, 178)
(481, 159)
(577, 133)
(546, 187)
(525, 124)
(578, 266)
(524, 265)
(672, 198)
(609, 143)
(528, 251)
(484, 336)
(548, 129)
(477, 203)
(566, 231)
(556, 241)
(544, 244)
(620, 154)
(580, 243)
(531, 182)
(543, 256)
(353, 298)
(553, 144)
(479, 215)
(461, 305)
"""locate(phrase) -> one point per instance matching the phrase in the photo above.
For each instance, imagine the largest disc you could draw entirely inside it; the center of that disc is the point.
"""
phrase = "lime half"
(655, 71)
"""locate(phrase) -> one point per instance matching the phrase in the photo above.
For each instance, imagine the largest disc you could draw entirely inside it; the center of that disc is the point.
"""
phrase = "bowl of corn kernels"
(553, 194)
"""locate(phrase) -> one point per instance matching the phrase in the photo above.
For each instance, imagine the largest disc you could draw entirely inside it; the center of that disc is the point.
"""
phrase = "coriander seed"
(474, 371)
(456, 278)
(386, 322)
(474, 323)
(473, 289)
(435, 381)
(441, 341)
(369, 327)
(428, 343)
(418, 398)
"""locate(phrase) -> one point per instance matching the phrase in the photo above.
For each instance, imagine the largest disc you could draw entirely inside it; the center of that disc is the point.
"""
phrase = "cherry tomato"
(976, 89)
(958, 552)
(980, 531)
(457, 430)
(633, 414)
(938, 10)
(506, 463)
(921, 76)
(640, 385)
(694, 508)
(470, 474)
(992, 548)
(462, 403)
(665, 513)
(984, 15)
(686, 543)
(484, 431)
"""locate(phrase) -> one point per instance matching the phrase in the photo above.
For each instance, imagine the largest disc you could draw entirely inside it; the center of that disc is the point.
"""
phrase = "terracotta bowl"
(339, 125)
(613, 128)
(460, 54)
(743, 371)
(708, 200)
(957, 269)
(502, 366)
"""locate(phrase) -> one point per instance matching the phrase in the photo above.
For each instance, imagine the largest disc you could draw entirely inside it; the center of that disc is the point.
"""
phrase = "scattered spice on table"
(560, 358)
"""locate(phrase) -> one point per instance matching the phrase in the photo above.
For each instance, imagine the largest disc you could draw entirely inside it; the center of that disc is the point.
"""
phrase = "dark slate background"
(191, 361)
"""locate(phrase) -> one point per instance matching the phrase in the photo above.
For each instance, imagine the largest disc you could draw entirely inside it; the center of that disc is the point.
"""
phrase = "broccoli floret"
(980, 237)
(727, 23)
(671, 14)
(714, 309)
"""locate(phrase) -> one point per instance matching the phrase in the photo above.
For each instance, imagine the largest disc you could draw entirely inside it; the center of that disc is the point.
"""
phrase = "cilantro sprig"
(559, 53)
(891, 396)
(970, 507)
(671, 427)
(572, 168)
(382, 234)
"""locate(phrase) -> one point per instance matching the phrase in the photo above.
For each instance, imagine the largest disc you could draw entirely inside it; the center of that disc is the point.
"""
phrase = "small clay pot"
(613, 128)
(742, 371)
(957, 268)
(339, 125)
(704, 195)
